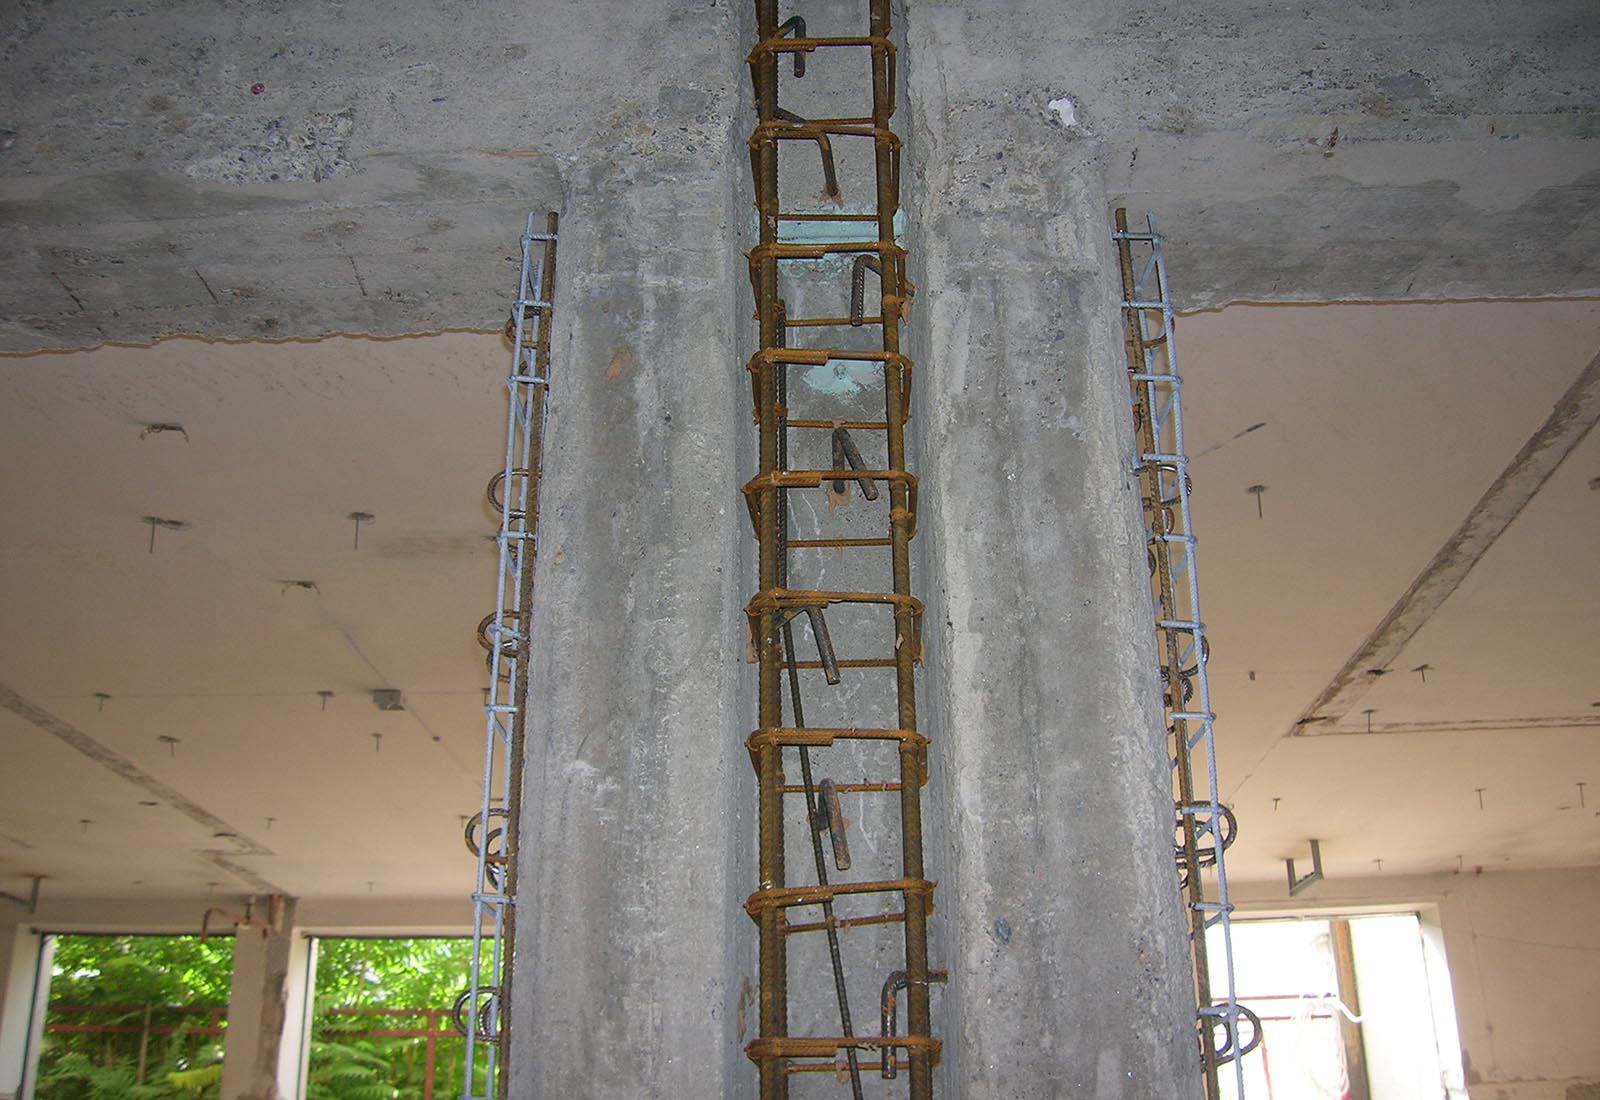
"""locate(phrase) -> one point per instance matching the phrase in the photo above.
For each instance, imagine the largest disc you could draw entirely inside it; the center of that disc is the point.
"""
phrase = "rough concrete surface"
(260, 984)
(288, 169)
(1324, 151)
(631, 939)
(285, 169)
(1066, 939)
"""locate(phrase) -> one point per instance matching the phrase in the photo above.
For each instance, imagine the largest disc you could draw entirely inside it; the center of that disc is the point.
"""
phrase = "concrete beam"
(302, 169)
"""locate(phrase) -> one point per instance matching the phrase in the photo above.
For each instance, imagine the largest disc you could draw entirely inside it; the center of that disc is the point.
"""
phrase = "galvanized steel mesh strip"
(1204, 827)
(480, 1013)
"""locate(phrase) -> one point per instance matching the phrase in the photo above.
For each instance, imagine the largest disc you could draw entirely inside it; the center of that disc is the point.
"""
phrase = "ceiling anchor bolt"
(1256, 491)
(156, 429)
(158, 521)
(1314, 875)
(360, 518)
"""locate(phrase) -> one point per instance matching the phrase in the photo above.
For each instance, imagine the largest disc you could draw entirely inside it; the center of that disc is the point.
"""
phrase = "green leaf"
(196, 1080)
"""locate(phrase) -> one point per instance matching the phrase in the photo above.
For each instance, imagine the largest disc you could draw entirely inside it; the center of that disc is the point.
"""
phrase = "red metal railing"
(432, 1025)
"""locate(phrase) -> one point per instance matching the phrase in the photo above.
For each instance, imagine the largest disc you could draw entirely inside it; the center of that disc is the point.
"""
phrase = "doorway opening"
(384, 1025)
(135, 1016)
(1352, 1008)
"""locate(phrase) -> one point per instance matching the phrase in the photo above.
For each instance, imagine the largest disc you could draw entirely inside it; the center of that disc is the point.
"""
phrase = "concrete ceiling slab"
(209, 640)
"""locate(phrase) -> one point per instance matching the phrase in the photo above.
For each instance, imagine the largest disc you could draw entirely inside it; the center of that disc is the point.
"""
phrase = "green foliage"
(348, 1064)
(141, 970)
(107, 1074)
(123, 974)
(419, 973)
(196, 1081)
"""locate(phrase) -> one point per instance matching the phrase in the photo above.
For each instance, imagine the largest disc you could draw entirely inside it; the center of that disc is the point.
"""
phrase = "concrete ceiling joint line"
(120, 765)
(1569, 421)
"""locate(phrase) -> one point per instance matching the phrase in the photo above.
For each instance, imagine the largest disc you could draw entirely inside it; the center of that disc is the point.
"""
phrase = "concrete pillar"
(1064, 937)
(626, 977)
(25, 956)
(267, 1005)
(1049, 815)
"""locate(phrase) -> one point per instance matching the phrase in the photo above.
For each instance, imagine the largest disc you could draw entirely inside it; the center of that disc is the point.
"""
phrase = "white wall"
(1524, 956)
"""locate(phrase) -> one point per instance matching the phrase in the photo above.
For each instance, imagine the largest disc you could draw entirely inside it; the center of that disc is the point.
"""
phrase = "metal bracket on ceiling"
(1314, 875)
(31, 902)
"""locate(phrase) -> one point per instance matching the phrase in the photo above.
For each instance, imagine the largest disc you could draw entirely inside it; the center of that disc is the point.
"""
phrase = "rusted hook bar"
(858, 287)
(830, 819)
(846, 453)
(495, 856)
(825, 654)
(482, 1019)
(890, 1006)
(525, 485)
(830, 176)
(797, 24)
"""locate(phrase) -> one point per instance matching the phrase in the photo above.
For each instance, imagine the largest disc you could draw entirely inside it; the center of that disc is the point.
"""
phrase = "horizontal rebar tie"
(773, 611)
(787, 897)
(824, 1046)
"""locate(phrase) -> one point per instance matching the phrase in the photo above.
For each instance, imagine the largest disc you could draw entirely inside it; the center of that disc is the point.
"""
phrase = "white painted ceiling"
(201, 639)
(1383, 426)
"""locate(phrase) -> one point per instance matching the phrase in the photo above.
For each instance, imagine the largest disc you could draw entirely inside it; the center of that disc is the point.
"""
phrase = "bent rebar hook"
(890, 1006)
(847, 454)
(858, 287)
(797, 24)
(829, 817)
(830, 176)
(825, 654)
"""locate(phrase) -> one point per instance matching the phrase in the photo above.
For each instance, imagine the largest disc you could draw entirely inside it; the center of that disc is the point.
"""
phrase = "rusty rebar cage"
(892, 641)
(1204, 828)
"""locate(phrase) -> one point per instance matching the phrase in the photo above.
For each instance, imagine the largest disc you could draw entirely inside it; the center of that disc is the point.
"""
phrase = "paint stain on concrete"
(619, 363)
(841, 377)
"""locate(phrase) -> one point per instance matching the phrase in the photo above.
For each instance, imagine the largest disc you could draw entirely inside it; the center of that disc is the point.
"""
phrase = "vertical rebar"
(774, 993)
(776, 1053)
(890, 288)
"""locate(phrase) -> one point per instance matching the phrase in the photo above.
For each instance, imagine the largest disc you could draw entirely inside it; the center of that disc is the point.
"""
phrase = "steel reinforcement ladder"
(491, 833)
(777, 1052)
(1204, 827)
